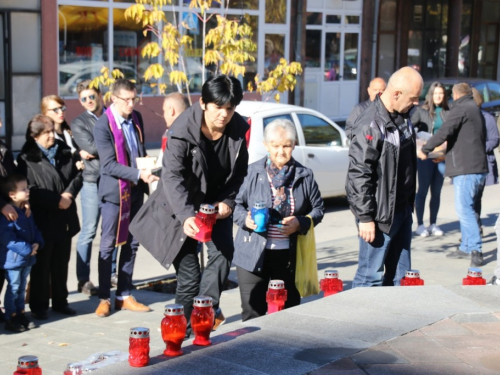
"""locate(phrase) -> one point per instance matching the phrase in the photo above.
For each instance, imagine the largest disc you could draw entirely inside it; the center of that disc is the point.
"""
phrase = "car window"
(494, 91)
(483, 90)
(318, 132)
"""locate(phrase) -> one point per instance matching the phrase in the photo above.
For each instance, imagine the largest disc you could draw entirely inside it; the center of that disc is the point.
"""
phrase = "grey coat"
(183, 185)
(249, 246)
(82, 128)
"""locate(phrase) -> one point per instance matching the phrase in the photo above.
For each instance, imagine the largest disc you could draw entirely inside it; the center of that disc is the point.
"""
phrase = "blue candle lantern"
(260, 216)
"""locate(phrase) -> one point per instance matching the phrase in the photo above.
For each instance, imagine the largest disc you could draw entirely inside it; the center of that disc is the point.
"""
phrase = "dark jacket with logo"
(465, 132)
(350, 124)
(16, 240)
(373, 167)
(47, 183)
(111, 170)
(249, 246)
(183, 184)
(82, 128)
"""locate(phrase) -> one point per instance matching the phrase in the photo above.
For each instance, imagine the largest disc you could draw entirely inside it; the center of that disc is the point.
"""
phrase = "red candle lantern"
(331, 284)
(202, 320)
(28, 365)
(205, 220)
(474, 277)
(173, 329)
(412, 278)
(276, 296)
(138, 351)
(74, 369)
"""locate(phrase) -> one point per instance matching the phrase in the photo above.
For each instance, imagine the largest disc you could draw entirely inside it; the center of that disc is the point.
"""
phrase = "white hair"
(286, 125)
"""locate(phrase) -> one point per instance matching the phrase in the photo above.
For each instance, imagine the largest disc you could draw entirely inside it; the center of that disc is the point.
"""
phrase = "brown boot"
(131, 304)
(104, 308)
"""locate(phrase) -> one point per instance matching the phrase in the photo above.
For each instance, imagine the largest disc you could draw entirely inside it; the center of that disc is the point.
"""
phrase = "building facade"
(52, 45)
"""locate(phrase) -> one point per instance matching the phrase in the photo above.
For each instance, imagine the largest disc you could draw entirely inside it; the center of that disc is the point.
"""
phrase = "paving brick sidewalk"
(464, 344)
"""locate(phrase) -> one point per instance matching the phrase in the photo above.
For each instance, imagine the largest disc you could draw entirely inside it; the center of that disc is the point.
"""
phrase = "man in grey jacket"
(83, 128)
(465, 132)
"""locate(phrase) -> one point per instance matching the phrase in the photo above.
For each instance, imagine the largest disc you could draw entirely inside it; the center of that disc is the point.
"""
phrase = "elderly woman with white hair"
(291, 194)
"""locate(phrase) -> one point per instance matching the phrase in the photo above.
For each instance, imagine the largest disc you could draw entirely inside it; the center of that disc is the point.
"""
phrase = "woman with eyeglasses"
(55, 108)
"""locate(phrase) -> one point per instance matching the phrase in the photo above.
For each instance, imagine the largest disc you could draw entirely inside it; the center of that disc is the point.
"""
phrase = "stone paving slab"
(302, 339)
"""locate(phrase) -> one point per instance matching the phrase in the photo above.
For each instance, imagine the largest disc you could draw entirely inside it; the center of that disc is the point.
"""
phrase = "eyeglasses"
(131, 100)
(56, 110)
(84, 99)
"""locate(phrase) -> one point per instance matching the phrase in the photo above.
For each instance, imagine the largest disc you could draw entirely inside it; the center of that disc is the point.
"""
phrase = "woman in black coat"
(54, 182)
(205, 162)
(291, 194)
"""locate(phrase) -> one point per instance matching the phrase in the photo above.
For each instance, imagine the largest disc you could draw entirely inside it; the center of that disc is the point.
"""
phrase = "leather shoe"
(219, 320)
(104, 308)
(476, 258)
(458, 254)
(66, 310)
(87, 288)
(131, 304)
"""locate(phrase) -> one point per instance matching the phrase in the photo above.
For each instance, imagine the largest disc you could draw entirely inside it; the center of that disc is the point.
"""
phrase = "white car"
(321, 145)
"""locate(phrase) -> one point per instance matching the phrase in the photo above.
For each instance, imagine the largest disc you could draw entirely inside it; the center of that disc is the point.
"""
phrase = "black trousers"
(49, 276)
(187, 268)
(253, 285)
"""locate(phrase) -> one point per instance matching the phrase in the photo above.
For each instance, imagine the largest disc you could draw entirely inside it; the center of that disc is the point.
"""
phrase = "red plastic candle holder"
(73, 369)
(205, 220)
(173, 329)
(412, 278)
(474, 277)
(276, 296)
(202, 320)
(331, 284)
(28, 365)
(138, 351)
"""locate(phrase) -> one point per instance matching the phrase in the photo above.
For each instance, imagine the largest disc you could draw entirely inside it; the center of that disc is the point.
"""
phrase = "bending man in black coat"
(205, 162)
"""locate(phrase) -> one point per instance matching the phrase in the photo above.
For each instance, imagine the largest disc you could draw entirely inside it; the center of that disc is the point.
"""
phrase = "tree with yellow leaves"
(228, 46)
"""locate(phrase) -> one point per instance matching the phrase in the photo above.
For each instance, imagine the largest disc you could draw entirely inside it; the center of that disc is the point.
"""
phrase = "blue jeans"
(430, 175)
(391, 250)
(466, 189)
(16, 288)
(90, 218)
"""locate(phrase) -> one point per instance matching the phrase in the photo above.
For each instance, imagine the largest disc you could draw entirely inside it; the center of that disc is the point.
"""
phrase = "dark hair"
(221, 90)
(37, 125)
(9, 184)
(123, 84)
(429, 99)
(85, 85)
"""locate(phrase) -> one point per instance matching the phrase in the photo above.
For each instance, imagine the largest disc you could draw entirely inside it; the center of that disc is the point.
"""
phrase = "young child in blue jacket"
(19, 243)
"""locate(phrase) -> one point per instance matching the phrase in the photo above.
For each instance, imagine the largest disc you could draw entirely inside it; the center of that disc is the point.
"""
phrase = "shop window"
(243, 4)
(351, 20)
(275, 50)
(350, 56)
(83, 50)
(386, 47)
(333, 19)
(313, 48)
(332, 57)
(276, 11)
(314, 18)
(318, 132)
(387, 15)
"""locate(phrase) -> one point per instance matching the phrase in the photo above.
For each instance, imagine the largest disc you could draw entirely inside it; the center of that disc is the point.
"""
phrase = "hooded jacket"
(16, 240)
(373, 167)
(465, 132)
(181, 190)
(249, 245)
(47, 183)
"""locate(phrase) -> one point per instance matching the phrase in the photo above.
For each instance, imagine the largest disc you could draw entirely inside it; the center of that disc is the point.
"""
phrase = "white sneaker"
(435, 230)
(422, 231)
